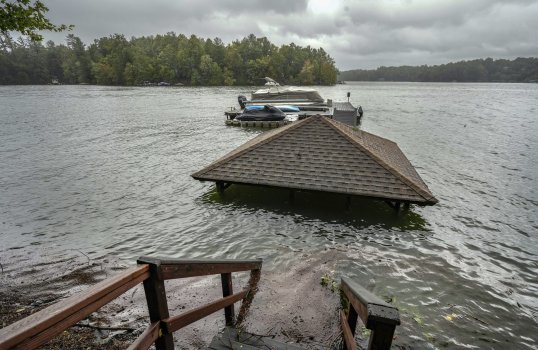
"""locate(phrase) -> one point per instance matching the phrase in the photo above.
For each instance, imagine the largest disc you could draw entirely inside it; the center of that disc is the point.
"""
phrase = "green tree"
(104, 72)
(210, 72)
(115, 60)
(306, 75)
(27, 17)
(76, 63)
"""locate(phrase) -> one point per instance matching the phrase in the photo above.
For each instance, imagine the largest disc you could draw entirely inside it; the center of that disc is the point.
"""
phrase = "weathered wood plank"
(158, 305)
(72, 318)
(369, 306)
(227, 344)
(381, 337)
(355, 303)
(230, 338)
(144, 341)
(377, 315)
(45, 324)
(172, 324)
(349, 340)
(183, 271)
(179, 268)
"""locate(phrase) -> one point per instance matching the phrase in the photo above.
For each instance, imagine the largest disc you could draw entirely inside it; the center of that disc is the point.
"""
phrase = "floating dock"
(258, 124)
(343, 112)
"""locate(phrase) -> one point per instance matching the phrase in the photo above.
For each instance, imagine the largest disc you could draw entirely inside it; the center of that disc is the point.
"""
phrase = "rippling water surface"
(106, 170)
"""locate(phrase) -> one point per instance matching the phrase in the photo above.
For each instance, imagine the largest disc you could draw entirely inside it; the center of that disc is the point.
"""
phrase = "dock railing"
(378, 316)
(37, 329)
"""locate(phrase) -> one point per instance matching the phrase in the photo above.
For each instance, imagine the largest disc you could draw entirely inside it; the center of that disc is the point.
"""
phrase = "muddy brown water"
(93, 177)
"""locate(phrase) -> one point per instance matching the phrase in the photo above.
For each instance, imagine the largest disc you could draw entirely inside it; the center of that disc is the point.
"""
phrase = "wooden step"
(231, 338)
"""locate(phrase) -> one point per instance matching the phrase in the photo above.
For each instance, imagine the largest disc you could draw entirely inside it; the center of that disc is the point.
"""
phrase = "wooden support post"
(394, 205)
(381, 337)
(227, 290)
(348, 203)
(157, 304)
(220, 187)
(377, 315)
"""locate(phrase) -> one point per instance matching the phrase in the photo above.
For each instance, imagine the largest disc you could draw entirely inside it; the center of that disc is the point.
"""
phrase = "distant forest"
(482, 70)
(170, 58)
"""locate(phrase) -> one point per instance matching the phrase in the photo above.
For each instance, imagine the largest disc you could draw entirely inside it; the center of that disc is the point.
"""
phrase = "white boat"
(296, 102)
(274, 93)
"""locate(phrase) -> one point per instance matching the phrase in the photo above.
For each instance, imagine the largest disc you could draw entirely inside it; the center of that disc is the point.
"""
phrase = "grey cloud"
(362, 34)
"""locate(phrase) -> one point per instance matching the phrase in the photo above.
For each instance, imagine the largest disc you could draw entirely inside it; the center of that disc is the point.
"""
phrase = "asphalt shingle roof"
(321, 154)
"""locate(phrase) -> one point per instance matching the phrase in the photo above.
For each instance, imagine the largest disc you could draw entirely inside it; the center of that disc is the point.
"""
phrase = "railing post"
(156, 299)
(227, 290)
(377, 315)
(381, 337)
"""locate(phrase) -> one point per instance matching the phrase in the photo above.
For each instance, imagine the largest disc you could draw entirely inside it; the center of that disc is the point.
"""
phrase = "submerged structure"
(321, 154)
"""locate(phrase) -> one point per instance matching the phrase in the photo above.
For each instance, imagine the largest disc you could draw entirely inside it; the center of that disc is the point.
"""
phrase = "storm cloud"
(357, 34)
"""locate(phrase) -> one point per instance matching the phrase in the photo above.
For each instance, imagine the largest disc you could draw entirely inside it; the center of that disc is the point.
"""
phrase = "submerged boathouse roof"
(320, 154)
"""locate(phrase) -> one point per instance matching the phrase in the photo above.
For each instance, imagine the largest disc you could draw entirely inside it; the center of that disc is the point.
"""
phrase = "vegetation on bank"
(170, 58)
(480, 70)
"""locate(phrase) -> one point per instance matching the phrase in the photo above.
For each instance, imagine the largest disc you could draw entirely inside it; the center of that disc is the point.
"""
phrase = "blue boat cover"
(283, 108)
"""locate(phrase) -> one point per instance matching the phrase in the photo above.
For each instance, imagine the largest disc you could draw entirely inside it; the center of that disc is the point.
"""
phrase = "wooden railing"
(35, 330)
(378, 316)
(162, 325)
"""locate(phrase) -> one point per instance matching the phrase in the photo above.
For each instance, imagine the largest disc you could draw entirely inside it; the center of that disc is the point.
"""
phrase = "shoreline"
(291, 307)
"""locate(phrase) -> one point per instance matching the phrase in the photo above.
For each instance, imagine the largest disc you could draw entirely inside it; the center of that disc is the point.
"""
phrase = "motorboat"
(266, 113)
(276, 102)
(274, 93)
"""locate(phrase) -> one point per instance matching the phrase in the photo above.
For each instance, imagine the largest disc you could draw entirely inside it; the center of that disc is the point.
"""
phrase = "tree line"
(171, 58)
(480, 70)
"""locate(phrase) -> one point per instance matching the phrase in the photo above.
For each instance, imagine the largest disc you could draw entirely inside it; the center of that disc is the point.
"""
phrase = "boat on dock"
(295, 102)
(265, 113)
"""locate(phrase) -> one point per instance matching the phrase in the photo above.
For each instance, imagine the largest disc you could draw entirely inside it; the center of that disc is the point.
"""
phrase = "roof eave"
(425, 202)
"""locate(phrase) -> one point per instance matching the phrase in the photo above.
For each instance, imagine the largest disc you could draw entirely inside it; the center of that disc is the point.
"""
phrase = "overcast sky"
(357, 34)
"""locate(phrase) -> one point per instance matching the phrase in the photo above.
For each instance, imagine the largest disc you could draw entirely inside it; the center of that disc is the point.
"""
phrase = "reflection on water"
(325, 207)
(106, 171)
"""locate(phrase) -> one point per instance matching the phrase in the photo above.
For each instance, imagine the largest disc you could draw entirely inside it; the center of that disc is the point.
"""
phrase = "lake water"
(106, 171)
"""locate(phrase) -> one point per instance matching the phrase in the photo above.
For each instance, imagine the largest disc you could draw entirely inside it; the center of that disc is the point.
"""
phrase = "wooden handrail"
(148, 337)
(347, 332)
(165, 269)
(175, 323)
(378, 316)
(181, 268)
(42, 326)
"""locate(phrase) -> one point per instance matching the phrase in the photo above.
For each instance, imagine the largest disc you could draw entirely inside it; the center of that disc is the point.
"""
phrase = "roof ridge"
(424, 194)
(230, 155)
